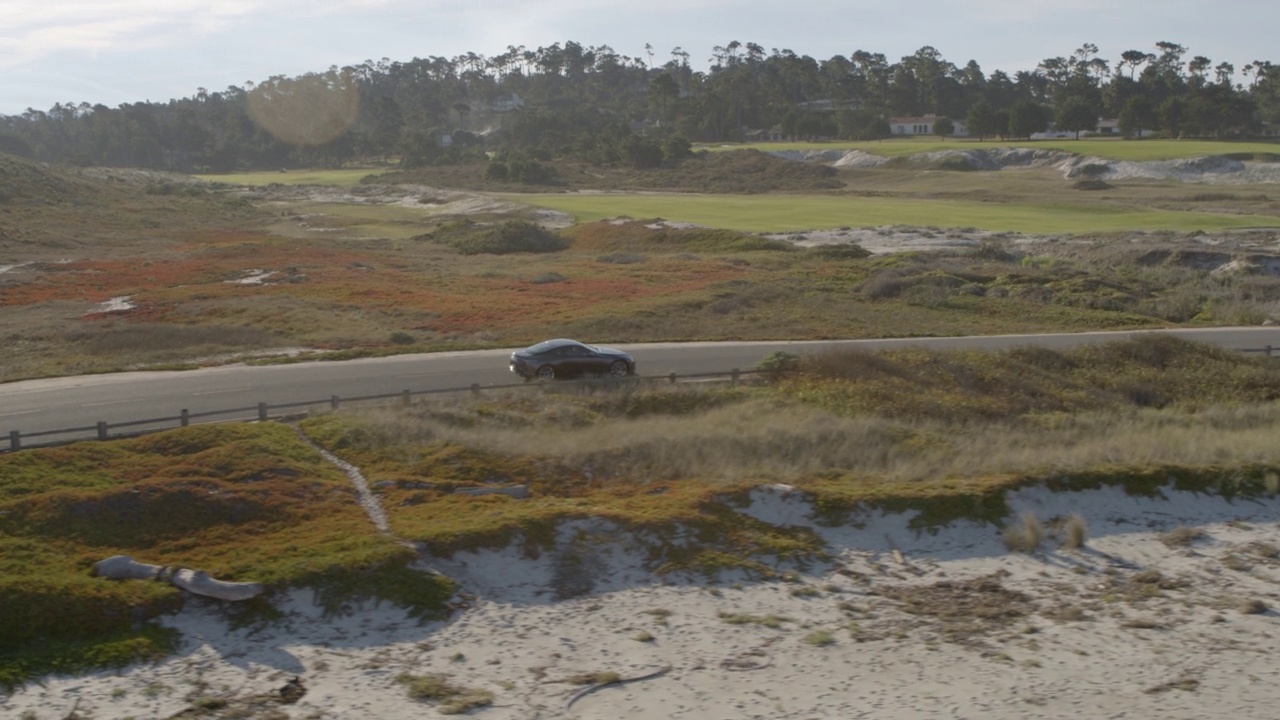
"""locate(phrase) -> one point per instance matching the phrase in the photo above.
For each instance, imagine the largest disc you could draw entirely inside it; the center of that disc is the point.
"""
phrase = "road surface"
(37, 407)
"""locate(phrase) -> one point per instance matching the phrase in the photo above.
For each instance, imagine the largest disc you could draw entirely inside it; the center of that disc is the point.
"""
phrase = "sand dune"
(1139, 623)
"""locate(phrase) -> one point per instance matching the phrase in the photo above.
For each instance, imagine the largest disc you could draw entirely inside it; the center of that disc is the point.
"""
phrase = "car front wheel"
(546, 372)
(619, 369)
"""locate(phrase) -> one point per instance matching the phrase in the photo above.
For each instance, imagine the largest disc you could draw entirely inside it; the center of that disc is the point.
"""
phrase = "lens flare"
(308, 110)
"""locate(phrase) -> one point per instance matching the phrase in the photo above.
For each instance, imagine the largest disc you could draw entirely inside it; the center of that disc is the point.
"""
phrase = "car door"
(579, 359)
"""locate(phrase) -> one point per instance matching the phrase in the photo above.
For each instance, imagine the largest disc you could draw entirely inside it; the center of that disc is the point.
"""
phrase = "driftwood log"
(123, 567)
(613, 683)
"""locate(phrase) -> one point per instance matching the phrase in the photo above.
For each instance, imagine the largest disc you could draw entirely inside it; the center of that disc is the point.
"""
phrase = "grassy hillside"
(49, 212)
(243, 502)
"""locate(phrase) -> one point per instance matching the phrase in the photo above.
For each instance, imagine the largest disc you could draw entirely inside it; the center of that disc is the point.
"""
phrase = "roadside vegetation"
(944, 433)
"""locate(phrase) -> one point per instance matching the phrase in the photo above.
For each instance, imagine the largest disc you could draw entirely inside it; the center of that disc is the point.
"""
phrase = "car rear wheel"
(546, 372)
(619, 369)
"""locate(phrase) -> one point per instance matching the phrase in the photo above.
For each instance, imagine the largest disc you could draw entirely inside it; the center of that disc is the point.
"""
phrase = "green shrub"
(512, 236)
(497, 171)
(677, 147)
(778, 363)
(840, 252)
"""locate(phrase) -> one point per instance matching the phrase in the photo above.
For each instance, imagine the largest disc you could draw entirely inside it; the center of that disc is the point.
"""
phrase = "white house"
(923, 125)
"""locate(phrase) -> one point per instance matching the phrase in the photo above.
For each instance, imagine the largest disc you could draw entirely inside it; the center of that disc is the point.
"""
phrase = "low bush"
(848, 251)
(1092, 185)
(655, 235)
(547, 278)
(512, 236)
(779, 362)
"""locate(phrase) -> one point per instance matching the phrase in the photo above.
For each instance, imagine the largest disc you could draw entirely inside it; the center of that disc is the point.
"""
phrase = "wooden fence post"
(102, 430)
(15, 440)
(185, 420)
(262, 412)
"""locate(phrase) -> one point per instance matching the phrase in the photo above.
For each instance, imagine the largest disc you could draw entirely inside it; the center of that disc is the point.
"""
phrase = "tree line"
(594, 104)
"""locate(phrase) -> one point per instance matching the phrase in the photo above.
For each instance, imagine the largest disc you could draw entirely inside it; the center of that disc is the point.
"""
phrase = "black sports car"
(563, 358)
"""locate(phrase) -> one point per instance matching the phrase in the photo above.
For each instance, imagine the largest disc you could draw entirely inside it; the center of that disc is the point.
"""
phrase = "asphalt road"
(33, 408)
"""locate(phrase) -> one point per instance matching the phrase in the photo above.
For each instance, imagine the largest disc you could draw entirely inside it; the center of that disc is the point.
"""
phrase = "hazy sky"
(117, 51)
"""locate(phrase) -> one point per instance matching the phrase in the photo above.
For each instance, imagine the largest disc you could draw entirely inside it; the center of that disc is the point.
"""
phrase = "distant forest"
(592, 104)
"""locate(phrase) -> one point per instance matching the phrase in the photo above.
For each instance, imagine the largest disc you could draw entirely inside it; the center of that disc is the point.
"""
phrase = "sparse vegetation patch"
(449, 697)
(963, 609)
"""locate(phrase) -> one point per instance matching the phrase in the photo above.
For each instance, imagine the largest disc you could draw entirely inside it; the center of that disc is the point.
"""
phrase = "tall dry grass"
(1025, 535)
(761, 436)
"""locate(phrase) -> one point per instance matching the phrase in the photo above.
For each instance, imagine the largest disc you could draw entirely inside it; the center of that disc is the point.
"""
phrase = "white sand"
(1175, 646)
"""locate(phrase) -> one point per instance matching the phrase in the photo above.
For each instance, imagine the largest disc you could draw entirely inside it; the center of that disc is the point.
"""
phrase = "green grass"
(782, 213)
(1112, 149)
(372, 221)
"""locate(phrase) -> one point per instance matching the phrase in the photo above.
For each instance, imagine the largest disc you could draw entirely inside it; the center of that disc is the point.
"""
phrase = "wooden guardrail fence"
(268, 411)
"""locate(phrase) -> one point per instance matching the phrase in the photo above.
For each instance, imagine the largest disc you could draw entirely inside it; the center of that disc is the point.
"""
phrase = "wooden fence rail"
(267, 411)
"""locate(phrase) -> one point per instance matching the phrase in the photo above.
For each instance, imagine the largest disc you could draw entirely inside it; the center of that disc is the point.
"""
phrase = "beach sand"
(898, 623)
